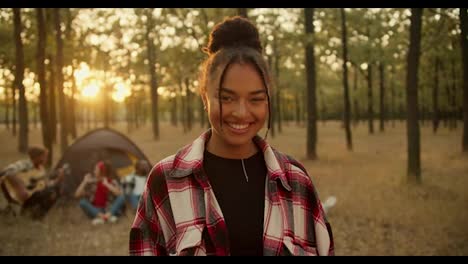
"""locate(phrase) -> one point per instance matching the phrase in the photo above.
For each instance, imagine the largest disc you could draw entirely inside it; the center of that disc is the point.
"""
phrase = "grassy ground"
(377, 213)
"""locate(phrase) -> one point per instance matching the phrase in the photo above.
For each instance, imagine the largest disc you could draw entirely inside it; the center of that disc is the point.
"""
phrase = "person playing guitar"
(25, 179)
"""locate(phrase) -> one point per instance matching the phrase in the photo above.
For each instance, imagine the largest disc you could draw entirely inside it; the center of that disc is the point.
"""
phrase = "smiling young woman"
(229, 192)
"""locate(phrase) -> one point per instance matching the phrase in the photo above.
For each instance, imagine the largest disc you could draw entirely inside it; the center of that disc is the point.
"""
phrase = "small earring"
(204, 107)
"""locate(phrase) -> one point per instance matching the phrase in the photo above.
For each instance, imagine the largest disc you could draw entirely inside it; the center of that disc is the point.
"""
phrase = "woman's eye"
(226, 98)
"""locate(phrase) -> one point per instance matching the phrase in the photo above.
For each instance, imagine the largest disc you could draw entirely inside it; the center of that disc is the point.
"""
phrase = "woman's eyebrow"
(261, 91)
(227, 90)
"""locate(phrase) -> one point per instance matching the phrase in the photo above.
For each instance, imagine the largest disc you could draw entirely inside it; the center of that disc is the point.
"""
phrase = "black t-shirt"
(242, 201)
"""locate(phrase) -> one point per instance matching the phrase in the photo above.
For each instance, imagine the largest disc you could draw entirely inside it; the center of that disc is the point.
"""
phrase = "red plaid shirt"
(179, 214)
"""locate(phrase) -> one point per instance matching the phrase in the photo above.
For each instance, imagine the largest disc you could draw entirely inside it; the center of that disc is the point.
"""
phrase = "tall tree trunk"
(278, 93)
(59, 63)
(370, 103)
(435, 96)
(311, 85)
(136, 113)
(52, 100)
(355, 97)
(393, 111)
(189, 104)
(448, 90)
(347, 107)
(152, 72)
(382, 96)
(242, 12)
(464, 51)
(128, 112)
(453, 100)
(36, 114)
(41, 75)
(72, 112)
(18, 84)
(7, 109)
(183, 112)
(13, 110)
(70, 101)
(105, 98)
(297, 105)
(414, 160)
(272, 102)
(174, 111)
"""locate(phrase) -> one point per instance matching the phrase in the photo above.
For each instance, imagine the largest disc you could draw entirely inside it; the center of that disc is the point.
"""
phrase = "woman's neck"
(220, 148)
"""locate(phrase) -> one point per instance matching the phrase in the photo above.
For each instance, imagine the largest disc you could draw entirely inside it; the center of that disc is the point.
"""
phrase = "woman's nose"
(241, 109)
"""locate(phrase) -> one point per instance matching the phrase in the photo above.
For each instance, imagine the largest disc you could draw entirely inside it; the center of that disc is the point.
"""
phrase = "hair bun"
(233, 32)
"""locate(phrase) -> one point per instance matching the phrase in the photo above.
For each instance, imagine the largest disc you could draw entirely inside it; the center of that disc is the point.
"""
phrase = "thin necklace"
(245, 172)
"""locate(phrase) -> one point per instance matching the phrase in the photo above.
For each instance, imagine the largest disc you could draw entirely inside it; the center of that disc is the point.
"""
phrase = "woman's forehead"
(238, 78)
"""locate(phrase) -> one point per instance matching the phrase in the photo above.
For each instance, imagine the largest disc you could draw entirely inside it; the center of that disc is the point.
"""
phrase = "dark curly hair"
(234, 40)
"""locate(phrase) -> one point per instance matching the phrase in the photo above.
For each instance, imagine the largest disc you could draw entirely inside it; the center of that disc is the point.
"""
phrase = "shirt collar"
(189, 159)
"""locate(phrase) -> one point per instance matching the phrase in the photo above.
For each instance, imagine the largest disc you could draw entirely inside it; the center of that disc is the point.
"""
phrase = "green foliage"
(374, 35)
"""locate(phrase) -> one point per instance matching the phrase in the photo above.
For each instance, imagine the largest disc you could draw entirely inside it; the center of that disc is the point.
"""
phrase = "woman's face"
(97, 171)
(244, 105)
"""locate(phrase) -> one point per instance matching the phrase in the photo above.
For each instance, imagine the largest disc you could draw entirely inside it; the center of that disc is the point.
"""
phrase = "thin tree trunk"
(413, 138)
(71, 114)
(59, 63)
(272, 103)
(189, 104)
(347, 107)
(382, 96)
(41, 75)
(370, 105)
(278, 92)
(72, 126)
(297, 99)
(392, 111)
(52, 99)
(355, 97)
(453, 100)
(183, 112)
(36, 114)
(435, 96)
(14, 107)
(311, 85)
(136, 107)
(18, 84)
(174, 111)
(152, 72)
(7, 109)
(464, 51)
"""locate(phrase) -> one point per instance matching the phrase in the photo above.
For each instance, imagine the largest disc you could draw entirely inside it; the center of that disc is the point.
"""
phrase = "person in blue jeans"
(101, 197)
(134, 183)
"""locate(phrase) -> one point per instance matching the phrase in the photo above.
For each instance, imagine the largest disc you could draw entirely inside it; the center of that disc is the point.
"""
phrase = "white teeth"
(238, 126)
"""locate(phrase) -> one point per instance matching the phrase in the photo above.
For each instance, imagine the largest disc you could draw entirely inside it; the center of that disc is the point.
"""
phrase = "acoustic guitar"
(33, 180)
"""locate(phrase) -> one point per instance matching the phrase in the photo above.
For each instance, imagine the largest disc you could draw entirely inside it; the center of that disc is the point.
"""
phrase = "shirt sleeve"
(146, 236)
(19, 166)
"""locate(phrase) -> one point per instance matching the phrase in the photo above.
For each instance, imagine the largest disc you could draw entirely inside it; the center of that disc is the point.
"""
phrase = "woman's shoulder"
(163, 166)
(293, 168)
(287, 160)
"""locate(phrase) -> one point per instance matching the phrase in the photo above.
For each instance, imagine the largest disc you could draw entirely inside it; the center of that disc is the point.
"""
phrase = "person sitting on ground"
(101, 196)
(26, 182)
(134, 183)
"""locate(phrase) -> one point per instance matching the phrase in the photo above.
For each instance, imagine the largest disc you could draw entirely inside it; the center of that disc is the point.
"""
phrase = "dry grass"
(377, 212)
